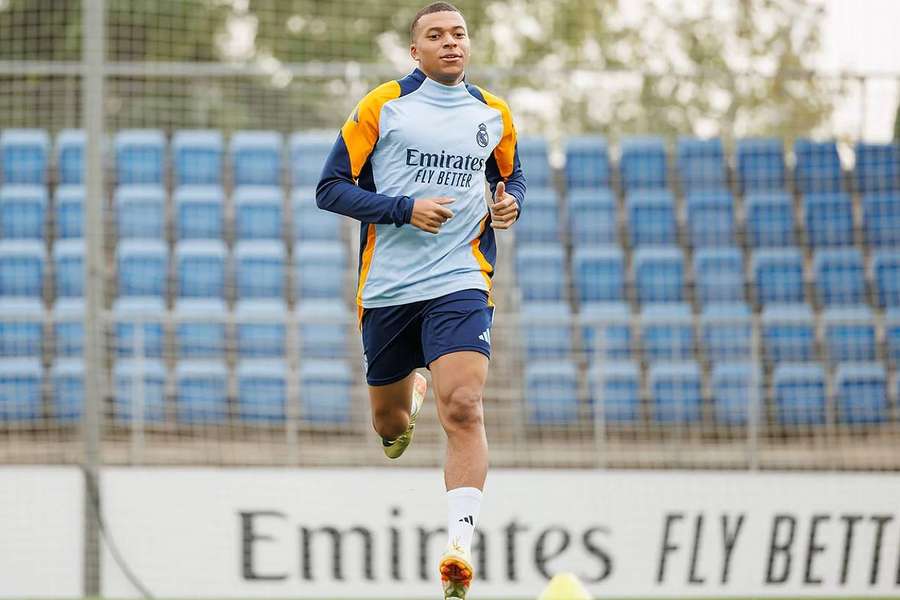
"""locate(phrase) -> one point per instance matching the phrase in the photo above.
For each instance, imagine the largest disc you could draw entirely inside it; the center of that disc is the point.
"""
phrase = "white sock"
(464, 504)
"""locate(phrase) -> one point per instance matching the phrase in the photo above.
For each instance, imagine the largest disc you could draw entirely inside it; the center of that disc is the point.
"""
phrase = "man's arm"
(504, 166)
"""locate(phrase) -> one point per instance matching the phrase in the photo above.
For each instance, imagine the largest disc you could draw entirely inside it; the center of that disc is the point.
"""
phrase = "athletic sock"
(463, 504)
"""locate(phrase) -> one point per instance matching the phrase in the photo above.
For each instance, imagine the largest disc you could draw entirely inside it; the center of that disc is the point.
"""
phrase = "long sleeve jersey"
(417, 138)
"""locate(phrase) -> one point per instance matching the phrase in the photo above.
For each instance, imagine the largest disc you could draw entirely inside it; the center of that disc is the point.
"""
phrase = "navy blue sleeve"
(515, 183)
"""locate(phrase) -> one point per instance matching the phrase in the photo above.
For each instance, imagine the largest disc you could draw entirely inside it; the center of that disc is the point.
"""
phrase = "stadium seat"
(886, 274)
(839, 277)
(262, 391)
(311, 223)
(259, 268)
(733, 385)
(199, 212)
(778, 276)
(828, 219)
(200, 269)
(197, 157)
(319, 269)
(23, 211)
(68, 327)
(799, 391)
(667, 332)
(719, 275)
(260, 329)
(551, 393)
(892, 335)
(540, 223)
(881, 219)
(546, 328)
(21, 328)
(325, 392)
(140, 389)
(770, 220)
(258, 213)
(675, 392)
(70, 156)
(643, 163)
(788, 333)
(616, 391)
(535, 161)
(256, 157)
(651, 218)
(22, 264)
(861, 393)
(540, 271)
(23, 156)
(140, 157)
(606, 331)
(701, 164)
(818, 167)
(849, 334)
(726, 332)
(587, 164)
(308, 154)
(141, 211)
(69, 212)
(140, 327)
(599, 274)
(877, 167)
(659, 275)
(68, 267)
(201, 392)
(200, 329)
(323, 329)
(760, 165)
(20, 389)
(592, 217)
(710, 218)
(143, 267)
(67, 390)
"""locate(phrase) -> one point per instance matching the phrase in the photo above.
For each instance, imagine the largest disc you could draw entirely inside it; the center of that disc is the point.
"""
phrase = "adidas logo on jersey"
(485, 336)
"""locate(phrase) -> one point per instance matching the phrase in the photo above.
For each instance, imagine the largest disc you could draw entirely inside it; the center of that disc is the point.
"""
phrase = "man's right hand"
(430, 213)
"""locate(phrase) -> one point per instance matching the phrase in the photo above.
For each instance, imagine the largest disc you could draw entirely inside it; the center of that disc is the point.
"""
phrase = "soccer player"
(410, 164)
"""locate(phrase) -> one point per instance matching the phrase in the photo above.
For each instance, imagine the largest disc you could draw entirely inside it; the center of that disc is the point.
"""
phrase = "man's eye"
(432, 37)
(460, 35)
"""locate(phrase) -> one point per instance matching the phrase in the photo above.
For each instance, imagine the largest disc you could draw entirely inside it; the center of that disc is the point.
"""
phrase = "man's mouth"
(451, 57)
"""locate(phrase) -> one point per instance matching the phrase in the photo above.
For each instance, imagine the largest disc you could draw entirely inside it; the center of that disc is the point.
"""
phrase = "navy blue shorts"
(399, 339)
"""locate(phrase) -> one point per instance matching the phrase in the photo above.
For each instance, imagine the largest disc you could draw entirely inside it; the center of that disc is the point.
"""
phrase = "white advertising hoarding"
(377, 533)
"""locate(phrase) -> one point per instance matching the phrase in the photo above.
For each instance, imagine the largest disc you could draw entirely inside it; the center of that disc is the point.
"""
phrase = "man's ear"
(413, 52)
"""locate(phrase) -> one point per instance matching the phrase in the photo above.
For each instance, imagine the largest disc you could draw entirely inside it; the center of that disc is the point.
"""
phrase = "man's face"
(441, 46)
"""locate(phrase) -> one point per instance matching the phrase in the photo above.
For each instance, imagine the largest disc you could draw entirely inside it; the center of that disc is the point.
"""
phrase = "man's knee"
(389, 422)
(463, 408)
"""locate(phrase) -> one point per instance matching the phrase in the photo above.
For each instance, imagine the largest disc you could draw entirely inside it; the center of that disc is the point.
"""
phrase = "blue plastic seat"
(199, 212)
(719, 275)
(710, 218)
(324, 329)
(260, 329)
(319, 269)
(70, 156)
(20, 389)
(778, 276)
(259, 213)
(540, 223)
(592, 217)
(760, 165)
(259, 268)
(861, 393)
(141, 211)
(736, 387)
(546, 329)
(659, 275)
(68, 327)
(667, 332)
(23, 211)
(262, 391)
(877, 167)
(551, 392)
(308, 154)
(311, 223)
(643, 163)
(200, 329)
(23, 156)
(68, 266)
(840, 277)
(140, 389)
(21, 328)
(197, 157)
(200, 269)
(139, 327)
(849, 334)
(256, 157)
(22, 265)
(67, 390)
(325, 392)
(701, 164)
(587, 163)
(881, 219)
(533, 156)
(201, 392)
(818, 167)
(886, 272)
(726, 332)
(675, 392)
(616, 391)
(143, 268)
(829, 219)
(540, 271)
(892, 336)
(69, 212)
(799, 391)
(788, 333)
(606, 331)
(599, 274)
(140, 157)
(770, 220)
(651, 218)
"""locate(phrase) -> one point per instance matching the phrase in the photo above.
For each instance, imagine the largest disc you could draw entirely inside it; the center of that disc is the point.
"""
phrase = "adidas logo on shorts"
(485, 336)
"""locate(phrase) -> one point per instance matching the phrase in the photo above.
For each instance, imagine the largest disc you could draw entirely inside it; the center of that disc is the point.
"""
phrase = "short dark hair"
(431, 8)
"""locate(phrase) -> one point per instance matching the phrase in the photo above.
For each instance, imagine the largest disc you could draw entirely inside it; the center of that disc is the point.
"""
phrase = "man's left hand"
(505, 209)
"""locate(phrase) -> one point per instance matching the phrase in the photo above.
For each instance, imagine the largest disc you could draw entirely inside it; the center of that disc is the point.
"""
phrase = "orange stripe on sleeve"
(505, 152)
(360, 132)
(486, 267)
